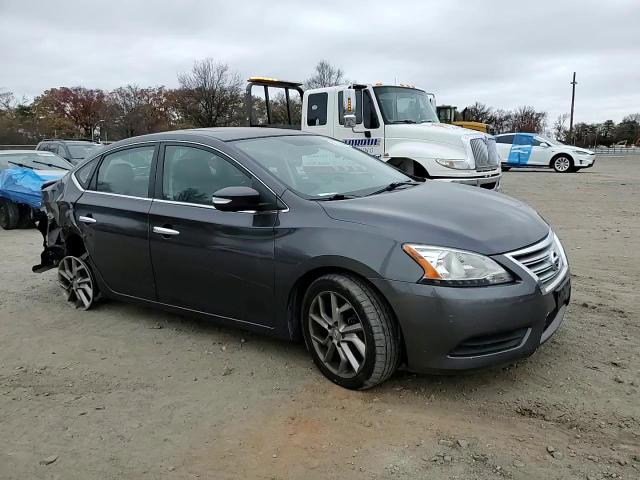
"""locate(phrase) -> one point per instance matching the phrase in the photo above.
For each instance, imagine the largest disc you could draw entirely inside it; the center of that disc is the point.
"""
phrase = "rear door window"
(317, 109)
(83, 174)
(126, 172)
(505, 139)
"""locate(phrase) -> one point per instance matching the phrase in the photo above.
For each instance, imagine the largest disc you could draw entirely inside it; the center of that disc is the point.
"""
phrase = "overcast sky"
(502, 53)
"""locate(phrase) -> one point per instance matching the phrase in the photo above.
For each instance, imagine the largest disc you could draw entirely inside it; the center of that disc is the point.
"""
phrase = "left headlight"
(458, 164)
(456, 268)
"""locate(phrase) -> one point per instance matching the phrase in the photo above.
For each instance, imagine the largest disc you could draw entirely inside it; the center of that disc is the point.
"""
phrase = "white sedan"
(531, 150)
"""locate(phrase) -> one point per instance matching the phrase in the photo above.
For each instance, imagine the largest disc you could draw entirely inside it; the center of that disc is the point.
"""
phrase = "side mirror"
(236, 199)
(349, 107)
(544, 144)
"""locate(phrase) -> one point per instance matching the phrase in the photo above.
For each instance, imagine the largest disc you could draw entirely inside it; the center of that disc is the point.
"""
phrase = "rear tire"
(9, 214)
(562, 164)
(350, 332)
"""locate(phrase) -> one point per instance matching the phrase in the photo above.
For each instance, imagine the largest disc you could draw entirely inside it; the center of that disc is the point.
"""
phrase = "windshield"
(34, 160)
(319, 167)
(82, 151)
(551, 141)
(405, 105)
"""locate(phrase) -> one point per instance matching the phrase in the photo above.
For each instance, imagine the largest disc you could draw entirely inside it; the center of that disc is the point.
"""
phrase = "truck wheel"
(562, 164)
(26, 219)
(9, 214)
(350, 332)
(76, 280)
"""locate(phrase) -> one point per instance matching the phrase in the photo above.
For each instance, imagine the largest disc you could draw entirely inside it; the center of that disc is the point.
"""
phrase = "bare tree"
(500, 120)
(478, 112)
(527, 119)
(326, 75)
(6, 102)
(210, 95)
(134, 111)
(559, 129)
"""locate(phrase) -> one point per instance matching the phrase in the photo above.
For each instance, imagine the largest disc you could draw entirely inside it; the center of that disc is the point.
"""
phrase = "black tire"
(26, 219)
(562, 164)
(9, 214)
(379, 330)
(506, 169)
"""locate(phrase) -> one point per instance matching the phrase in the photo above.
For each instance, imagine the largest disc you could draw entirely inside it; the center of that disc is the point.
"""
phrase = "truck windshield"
(320, 168)
(405, 105)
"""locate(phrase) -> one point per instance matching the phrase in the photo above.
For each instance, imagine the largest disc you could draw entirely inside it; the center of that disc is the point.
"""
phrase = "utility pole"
(573, 99)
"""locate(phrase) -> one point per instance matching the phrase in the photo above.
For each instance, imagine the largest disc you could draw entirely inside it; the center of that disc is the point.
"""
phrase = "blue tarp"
(23, 185)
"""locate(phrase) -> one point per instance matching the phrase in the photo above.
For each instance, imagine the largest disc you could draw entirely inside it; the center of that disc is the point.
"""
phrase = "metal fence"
(617, 150)
(17, 147)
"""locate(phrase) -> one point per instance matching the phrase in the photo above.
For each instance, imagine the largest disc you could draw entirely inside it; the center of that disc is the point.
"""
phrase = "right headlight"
(456, 268)
(458, 164)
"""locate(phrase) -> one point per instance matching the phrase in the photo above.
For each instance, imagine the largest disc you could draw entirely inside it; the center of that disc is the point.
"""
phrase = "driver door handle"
(87, 219)
(165, 231)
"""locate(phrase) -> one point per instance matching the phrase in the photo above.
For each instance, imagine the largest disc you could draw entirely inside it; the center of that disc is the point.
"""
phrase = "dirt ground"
(127, 392)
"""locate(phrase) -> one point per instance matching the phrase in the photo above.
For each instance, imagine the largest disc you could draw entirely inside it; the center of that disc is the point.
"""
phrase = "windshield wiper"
(20, 164)
(51, 165)
(336, 196)
(393, 186)
(403, 121)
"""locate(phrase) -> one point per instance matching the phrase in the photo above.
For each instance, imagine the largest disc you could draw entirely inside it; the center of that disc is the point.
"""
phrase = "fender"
(423, 152)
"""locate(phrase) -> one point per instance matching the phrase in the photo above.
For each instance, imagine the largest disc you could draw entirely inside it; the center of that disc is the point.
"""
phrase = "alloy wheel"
(75, 279)
(337, 334)
(562, 164)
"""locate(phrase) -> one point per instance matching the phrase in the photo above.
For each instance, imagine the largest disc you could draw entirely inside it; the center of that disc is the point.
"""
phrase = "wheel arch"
(410, 166)
(561, 154)
(296, 295)
(74, 244)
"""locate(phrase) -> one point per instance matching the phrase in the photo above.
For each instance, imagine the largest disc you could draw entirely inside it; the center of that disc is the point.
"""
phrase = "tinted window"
(536, 141)
(317, 109)
(126, 172)
(369, 115)
(193, 175)
(83, 174)
(505, 139)
(80, 151)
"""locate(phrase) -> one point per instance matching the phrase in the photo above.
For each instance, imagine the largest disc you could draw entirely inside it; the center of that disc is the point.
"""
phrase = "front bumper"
(452, 329)
(585, 162)
(490, 182)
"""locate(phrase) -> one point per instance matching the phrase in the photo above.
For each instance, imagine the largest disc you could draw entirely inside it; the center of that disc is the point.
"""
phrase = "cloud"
(501, 53)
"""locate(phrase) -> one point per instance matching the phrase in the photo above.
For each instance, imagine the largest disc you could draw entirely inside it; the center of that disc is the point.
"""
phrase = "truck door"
(368, 134)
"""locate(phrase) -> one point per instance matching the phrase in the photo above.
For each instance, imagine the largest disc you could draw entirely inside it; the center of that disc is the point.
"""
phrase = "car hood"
(433, 132)
(448, 215)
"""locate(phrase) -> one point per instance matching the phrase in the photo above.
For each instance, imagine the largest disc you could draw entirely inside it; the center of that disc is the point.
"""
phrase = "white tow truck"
(397, 124)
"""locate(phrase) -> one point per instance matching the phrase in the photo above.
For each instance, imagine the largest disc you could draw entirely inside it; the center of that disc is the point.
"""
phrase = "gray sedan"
(303, 237)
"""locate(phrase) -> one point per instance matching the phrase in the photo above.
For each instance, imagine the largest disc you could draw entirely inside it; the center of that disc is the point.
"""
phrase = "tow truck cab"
(397, 124)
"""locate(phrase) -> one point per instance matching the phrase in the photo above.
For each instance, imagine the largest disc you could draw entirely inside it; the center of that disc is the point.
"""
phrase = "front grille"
(488, 344)
(544, 260)
(485, 153)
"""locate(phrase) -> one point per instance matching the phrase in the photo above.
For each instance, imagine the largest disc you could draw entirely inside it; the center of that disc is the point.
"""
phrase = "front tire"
(350, 332)
(562, 164)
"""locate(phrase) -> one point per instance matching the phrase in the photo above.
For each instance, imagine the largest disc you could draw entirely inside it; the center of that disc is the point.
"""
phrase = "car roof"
(37, 152)
(221, 134)
(228, 134)
(516, 133)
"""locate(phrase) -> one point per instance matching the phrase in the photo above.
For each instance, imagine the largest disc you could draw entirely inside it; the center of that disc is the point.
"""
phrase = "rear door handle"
(87, 219)
(165, 231)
